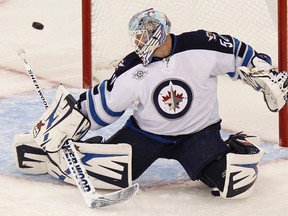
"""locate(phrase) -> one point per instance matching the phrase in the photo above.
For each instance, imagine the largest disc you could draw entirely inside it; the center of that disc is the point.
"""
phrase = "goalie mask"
(148, 30)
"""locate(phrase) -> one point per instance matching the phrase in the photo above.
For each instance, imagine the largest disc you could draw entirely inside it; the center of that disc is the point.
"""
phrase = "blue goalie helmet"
(148, 30)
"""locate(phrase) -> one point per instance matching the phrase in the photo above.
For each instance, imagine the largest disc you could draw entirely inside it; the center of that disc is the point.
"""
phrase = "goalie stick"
(80, 176)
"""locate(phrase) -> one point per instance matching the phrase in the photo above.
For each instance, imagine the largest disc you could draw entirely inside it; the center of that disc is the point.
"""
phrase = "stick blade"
(115, 197)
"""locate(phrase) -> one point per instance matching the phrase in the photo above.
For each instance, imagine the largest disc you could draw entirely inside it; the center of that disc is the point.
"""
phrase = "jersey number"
(225, 41)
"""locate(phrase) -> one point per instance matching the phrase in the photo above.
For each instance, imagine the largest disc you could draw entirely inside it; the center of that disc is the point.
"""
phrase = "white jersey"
(176, 95)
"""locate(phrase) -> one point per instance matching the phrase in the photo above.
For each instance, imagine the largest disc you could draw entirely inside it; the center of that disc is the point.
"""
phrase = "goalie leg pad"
(241, 174)
(241, 166)
(60, 122)
(30, 158)
(214, 174)
(108, 165)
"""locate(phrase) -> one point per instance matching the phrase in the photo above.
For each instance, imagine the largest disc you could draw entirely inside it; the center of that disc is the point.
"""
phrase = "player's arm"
(107, 101)
(96, 103)
(255, 69)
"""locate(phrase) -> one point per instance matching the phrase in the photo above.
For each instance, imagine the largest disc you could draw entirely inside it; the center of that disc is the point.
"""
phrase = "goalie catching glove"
(60, 122)
(272, 84)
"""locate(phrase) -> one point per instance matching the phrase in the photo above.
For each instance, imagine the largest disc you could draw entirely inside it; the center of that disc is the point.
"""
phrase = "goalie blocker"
(108, 165)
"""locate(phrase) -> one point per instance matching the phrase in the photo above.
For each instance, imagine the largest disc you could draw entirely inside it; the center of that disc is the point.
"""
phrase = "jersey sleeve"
(244, 54)
(106, 102)
(231, 53)
(234, 53)
(224, 53)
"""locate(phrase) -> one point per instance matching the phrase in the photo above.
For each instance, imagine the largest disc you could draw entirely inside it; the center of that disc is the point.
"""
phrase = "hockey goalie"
(173, 78)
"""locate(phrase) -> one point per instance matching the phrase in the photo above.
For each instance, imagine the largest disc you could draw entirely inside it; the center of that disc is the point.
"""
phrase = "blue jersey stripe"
(104, 104)
(236, 46)
(92, 110)
(248, 56)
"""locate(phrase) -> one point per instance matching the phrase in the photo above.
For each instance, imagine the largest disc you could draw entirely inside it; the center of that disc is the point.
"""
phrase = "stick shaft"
(21, 53)
(75, 165)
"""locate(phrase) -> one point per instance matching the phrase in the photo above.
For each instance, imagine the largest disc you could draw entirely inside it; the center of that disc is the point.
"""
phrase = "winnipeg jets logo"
(172, 98)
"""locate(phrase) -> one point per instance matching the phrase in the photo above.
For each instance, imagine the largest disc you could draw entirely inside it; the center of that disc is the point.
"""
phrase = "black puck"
(37, 25)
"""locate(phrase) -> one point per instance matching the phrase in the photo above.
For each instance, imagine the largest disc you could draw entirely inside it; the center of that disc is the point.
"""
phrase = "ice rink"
(55, 56)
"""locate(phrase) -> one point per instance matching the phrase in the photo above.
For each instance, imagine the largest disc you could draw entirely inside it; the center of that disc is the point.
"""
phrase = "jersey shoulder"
(204, 40)
(124, 66)
(128, 62)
